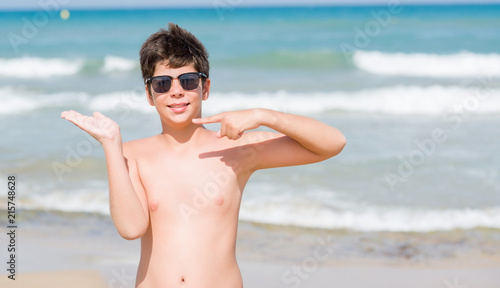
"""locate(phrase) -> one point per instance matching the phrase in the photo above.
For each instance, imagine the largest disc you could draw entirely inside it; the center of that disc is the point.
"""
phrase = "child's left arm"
(301, 140)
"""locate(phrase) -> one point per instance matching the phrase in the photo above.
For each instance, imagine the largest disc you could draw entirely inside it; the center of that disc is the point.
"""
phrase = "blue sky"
(35, 4)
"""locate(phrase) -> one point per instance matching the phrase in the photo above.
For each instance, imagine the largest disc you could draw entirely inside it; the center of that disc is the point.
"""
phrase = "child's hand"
(233, 124)
(102, 128)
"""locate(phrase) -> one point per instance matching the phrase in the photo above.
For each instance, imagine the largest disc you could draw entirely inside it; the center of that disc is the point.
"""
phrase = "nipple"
(153, 205)
(219, 200)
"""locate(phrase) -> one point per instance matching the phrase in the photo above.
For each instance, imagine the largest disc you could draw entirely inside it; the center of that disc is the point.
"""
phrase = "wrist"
(267, 117)
(112, 142)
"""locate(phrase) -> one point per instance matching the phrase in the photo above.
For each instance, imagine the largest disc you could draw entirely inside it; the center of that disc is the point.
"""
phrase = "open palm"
(100, 127)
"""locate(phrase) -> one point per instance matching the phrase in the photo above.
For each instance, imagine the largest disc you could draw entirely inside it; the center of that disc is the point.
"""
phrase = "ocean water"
(416, 90)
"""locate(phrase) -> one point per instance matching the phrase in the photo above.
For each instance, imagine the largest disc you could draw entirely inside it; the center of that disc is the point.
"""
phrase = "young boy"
(180, 191)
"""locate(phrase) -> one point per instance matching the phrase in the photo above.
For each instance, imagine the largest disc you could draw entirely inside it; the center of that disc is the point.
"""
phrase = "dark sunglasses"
(188, 81)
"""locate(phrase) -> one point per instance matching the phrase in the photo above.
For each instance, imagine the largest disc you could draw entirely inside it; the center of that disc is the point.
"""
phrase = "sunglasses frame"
(149, 80)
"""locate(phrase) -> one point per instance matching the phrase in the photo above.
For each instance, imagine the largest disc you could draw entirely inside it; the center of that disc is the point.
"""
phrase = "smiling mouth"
(178, 105)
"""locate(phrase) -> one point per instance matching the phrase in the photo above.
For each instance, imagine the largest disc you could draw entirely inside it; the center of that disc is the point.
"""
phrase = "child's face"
(178, 106)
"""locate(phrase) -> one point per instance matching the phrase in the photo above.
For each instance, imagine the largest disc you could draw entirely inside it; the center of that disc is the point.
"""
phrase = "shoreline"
(274, 243)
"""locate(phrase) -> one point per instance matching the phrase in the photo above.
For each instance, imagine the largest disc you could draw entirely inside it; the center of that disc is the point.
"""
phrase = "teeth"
(177, 106)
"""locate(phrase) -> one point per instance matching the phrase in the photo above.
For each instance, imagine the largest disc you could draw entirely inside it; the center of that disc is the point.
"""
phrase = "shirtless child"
(180, 191)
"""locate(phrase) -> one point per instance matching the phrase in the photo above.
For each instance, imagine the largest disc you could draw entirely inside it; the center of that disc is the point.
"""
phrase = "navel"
(153, 205)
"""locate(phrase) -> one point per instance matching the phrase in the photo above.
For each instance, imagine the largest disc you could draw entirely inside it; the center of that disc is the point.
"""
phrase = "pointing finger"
(206, 120)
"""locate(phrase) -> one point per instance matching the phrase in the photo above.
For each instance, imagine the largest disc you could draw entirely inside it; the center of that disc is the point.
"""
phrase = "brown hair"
(177, 46)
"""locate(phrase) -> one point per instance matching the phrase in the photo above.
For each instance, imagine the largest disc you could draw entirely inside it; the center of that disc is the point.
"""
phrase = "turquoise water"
(391, 80)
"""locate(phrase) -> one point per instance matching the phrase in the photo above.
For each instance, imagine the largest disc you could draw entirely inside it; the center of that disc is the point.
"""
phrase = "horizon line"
(244, 6)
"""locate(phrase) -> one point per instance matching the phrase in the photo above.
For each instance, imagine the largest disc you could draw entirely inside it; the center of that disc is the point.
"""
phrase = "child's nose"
(176, 89)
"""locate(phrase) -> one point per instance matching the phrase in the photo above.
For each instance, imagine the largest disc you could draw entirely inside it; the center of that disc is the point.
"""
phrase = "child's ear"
(150, 97)
(206, 89)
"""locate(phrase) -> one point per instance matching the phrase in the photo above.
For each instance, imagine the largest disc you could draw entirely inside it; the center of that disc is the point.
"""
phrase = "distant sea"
(416, 90)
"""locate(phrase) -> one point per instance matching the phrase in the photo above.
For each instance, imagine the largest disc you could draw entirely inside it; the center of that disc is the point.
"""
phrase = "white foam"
(359, 217)
(430, 100)
(121, 101)
(301, 211)
(114, 63)
(10, 104)
(15, 101)
(464, 64)
(398, 100)
(87, 201)
(33, 67)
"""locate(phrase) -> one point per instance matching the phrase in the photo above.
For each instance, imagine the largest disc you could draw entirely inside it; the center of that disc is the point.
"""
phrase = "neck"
(180, 135)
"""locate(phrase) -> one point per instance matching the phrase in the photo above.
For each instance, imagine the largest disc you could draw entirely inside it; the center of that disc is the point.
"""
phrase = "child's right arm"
(128, 202)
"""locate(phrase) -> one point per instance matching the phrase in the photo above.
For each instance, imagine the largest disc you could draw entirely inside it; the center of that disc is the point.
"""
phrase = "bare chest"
(185, 187)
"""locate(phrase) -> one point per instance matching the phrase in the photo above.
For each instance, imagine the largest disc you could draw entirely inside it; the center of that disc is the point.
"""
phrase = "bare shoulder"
(134, 148)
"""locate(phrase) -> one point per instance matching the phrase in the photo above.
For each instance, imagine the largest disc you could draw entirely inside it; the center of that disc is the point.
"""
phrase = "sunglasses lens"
(161, 84)
(189, 81)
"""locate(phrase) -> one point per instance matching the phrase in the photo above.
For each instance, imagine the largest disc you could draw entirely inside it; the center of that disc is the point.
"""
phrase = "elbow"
(132, 232)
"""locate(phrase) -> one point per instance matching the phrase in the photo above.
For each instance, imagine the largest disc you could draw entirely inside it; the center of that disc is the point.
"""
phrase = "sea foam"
(394, 100)
(296, 211)
(37, 67)
(34, 67)
(397, 100)
(16, 100)
(463, 64)
(114, 63)
(359, 217)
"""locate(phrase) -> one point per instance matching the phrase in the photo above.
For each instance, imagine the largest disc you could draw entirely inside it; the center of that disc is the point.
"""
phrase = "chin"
(178, 121)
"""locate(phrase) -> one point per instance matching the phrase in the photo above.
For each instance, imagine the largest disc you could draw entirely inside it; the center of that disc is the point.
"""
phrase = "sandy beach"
(66, 250)
(260, 275)
(76, 279)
